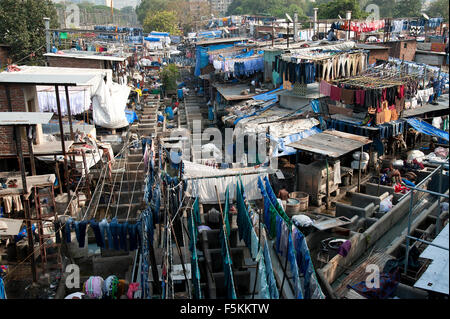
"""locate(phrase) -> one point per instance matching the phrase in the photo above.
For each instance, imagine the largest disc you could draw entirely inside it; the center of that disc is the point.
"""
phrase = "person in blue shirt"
(331, 36)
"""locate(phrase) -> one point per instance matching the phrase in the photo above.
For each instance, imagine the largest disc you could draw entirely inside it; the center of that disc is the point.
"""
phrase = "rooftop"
(24, 118)
(86, 55)
(38, 75)
(331, 143)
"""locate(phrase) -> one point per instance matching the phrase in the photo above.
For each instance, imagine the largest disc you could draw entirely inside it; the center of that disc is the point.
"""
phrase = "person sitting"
(331, 36)
(393, 174)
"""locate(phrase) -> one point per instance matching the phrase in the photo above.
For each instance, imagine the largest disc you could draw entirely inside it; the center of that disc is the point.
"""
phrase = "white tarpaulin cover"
(108, 103)
(205, 187)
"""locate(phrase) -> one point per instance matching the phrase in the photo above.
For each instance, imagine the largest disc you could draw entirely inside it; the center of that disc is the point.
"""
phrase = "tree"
(276, 8)
(163, 21)
(147, 6)
(22, 27)
(332, 9)
(169, 75)
(408, 9)
(438, 8)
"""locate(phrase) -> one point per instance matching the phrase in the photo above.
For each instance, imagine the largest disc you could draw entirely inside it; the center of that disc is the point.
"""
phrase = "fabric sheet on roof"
(426, 128)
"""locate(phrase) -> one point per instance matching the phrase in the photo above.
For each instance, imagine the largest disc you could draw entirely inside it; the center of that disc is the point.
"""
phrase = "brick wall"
(75, 63)
(402, 49)
(4, 53)
(378, 54)
(7, 142)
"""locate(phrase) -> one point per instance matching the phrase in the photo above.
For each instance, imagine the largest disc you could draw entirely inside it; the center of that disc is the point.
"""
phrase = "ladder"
(44, 200)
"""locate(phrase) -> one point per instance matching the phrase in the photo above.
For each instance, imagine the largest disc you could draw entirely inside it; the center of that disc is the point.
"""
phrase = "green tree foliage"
(408, 9)
(150, 6)
(22, 27)
(276, 8)
(386, 7)
(162, 21)
(438, 8)
(169, 75)
(332, 9)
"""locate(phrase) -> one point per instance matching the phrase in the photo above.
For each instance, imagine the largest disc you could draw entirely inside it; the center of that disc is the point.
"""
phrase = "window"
(405, 45)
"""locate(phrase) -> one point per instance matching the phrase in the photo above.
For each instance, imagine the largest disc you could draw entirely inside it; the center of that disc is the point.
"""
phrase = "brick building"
(85, 60)
(403, 49)
(24, 98)
(376, 52)
(4, 55)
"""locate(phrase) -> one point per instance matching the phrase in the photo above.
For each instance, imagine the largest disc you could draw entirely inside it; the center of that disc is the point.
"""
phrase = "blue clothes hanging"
(311, 288)
(105, 227)
(123, 236)
(2, 289)
(271, 282)
(97, 233)
(115, 232)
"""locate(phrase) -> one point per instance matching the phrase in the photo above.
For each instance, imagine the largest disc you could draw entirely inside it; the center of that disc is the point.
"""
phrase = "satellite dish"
(425, 16)
(339, 17)
(289, 17)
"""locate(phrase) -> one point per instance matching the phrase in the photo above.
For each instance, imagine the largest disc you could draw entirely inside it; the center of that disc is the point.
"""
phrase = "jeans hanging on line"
(98, 235)
(104, 226)
(123, 236)
(132, 232)
(67, 230)
(115, 231)
(80, 230)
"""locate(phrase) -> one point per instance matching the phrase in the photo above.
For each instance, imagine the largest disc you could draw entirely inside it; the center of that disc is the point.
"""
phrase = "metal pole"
(438, 222)
(181, 259)
(428, 242)
(409, 230)
(359, 170)
(327, 186)
(18, 138)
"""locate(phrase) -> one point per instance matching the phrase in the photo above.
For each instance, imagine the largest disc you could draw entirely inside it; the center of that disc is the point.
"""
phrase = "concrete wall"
(362, 242)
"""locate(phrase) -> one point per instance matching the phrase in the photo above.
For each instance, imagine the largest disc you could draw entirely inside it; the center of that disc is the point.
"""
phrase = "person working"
(331, 36)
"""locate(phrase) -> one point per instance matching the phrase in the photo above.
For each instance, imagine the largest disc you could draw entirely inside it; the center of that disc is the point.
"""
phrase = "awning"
(331, 143)
(426, 128)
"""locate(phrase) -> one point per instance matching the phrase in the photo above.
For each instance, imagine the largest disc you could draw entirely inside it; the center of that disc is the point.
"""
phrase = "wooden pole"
(18, 139)
(30, 150)
(63, 146)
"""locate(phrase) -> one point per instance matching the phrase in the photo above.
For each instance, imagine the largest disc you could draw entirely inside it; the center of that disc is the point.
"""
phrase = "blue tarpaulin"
(268, 96)
(151, 39)
(160, 34)
(282, 150)
(426, 128)
(202, 58)
(131, 116)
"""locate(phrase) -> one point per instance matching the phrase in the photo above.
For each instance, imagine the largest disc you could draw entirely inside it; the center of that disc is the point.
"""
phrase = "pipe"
(47, 34)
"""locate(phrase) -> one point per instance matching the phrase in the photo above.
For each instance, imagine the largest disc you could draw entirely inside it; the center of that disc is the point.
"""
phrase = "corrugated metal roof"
(52, 75)
(331, 143)
(86, 56)
(24, 118)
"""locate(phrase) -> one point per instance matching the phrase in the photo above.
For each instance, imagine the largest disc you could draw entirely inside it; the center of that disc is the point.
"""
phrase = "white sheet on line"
(205, 188)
